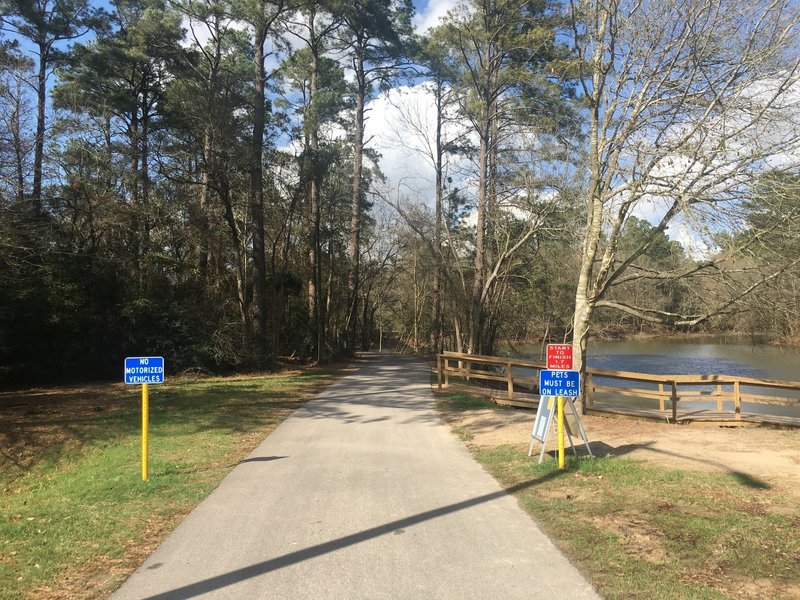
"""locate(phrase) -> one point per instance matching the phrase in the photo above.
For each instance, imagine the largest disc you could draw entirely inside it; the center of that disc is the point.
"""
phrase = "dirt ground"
(764, 454)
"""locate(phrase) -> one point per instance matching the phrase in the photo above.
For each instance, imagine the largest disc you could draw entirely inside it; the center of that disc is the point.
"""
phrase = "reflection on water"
(679, 357)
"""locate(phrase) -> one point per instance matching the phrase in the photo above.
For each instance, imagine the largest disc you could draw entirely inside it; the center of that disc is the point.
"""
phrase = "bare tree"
(689, 102)
(47, 25)
(15, 111)
(501, 53)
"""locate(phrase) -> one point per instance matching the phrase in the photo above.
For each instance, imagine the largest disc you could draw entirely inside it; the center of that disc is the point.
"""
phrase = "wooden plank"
(682, 397)
(516, 402)
(771, 400)
(480, 375)
(705, 422)
(495, 360)
(629, 392)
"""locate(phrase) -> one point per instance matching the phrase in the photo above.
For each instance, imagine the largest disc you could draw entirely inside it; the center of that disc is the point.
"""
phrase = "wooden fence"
(675, 398)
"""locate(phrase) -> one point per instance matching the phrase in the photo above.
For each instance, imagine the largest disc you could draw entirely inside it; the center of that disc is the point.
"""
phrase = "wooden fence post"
(674, 401)
(510, 380)
(737, 400)
(588, 391)
(439, 371)
(719, 397)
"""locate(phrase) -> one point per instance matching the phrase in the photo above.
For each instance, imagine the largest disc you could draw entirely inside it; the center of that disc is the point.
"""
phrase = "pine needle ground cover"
(75, 516)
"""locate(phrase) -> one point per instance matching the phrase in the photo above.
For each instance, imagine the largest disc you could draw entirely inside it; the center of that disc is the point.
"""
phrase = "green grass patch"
(641, 531)
(75, 513)
(463, 401)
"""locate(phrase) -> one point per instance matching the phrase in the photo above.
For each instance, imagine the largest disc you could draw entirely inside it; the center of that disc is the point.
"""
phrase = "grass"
(641, 531)
(75, 517)
(461, 401)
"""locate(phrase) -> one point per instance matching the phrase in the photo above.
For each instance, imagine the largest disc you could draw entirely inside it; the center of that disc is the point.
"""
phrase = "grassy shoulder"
(642, 531)
(75, 517)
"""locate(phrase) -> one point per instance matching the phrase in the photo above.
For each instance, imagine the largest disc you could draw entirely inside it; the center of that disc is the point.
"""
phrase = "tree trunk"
(202, 209)
(476, 320)
(239, 254)
(438, 346)
(19, 153)
(314, 314)
(38, 142)
(354, 247)
(585, 292)
(257, 197)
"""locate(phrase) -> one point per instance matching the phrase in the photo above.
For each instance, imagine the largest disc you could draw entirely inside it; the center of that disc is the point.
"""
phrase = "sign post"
(560, 384)
(561, 459)
(559, 358)
(144, 370)
(145, 423)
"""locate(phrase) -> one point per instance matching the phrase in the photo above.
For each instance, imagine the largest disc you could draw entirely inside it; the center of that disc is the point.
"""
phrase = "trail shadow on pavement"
(221, 581)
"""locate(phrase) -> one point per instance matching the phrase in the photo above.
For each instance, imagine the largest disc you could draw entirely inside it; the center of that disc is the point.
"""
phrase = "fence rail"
(667, 396)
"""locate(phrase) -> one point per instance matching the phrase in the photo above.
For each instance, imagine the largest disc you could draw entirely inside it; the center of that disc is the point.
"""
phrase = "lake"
(669, 356)
(703, 356)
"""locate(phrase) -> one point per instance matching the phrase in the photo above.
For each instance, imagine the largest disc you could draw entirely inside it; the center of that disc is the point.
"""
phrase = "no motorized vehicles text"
(144, 369)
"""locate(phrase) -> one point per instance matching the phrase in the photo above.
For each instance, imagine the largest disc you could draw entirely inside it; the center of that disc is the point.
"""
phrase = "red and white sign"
(559, 357)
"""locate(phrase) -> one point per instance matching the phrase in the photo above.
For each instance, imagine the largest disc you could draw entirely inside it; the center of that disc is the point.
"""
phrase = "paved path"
(362, 493)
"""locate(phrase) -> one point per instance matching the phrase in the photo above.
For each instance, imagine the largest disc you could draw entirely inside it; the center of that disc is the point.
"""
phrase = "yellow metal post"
(561, 462)
(145, 407)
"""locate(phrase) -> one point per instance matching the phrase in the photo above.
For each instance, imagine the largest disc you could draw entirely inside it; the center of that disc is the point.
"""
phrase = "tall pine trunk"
(259, 305)
(38, 143)
(354, 246)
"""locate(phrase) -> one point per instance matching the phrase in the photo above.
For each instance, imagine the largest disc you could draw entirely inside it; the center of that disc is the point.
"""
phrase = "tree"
(47, 23)
(120, 78)
(263, 16)
(376, 34)
(686, 102)
(207, 105)
(504, 56)
(770, 236)
(320, 81)
(15, 139)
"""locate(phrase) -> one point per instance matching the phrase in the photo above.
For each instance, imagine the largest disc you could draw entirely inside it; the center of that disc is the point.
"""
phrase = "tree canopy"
(202, 179)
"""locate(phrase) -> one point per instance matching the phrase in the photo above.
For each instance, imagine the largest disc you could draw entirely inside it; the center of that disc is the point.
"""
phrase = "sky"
(429, 12)
(406, 170)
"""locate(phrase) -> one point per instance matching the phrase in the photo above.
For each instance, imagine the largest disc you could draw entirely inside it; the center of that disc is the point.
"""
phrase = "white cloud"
(400, 160)
(694, 244)
(432, 13)
(401, 126)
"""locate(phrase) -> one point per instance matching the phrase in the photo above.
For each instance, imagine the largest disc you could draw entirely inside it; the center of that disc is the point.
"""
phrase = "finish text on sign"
(559, 356)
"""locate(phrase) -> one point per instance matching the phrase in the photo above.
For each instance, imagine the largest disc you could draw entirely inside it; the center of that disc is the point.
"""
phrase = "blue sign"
(144, 369)
(560, 383)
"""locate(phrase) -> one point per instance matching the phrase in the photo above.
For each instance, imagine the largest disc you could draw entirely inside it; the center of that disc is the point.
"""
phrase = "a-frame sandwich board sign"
(544, 420)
